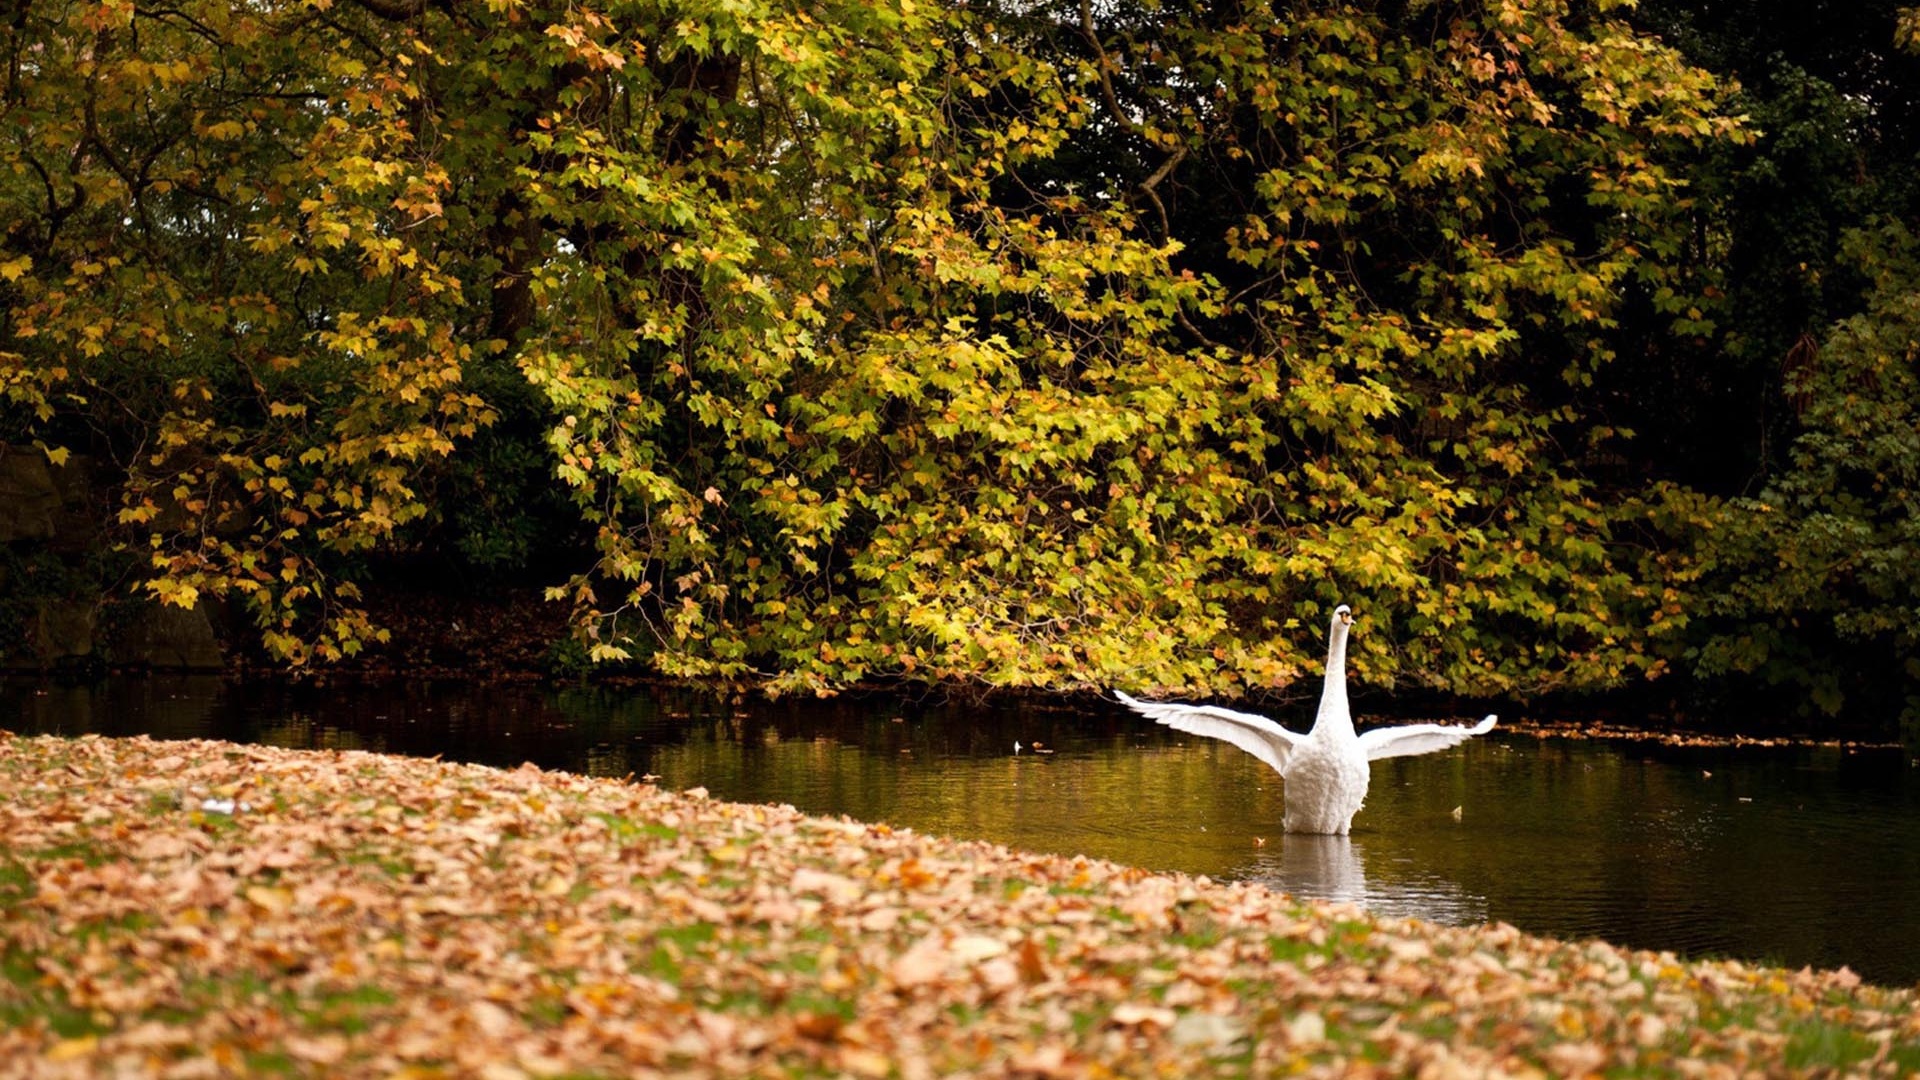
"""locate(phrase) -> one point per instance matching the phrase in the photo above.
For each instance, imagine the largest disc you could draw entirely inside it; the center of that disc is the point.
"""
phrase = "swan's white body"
(1325, 770)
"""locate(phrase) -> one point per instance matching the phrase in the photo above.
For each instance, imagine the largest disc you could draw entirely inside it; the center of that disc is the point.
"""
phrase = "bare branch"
(395, 10)
(1103, 65)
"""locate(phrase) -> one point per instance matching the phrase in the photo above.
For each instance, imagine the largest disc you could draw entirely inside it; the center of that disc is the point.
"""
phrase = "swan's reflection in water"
(1334, 868)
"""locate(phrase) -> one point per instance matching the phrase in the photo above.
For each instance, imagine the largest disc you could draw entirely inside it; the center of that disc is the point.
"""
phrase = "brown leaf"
(835, 887)
(924, 963)
(819, 1025)
(318, 1049)
(1032, 961)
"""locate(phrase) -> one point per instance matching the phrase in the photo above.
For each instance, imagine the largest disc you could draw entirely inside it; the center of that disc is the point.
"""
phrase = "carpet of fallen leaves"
(1591, 729)
(207, 909)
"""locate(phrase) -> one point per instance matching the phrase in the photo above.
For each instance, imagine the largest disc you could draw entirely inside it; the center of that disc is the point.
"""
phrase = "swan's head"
(1342, 616)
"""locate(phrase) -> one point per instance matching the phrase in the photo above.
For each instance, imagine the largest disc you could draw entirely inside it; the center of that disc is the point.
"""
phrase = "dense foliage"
(1813, 579)
(1802, 405)
(1036, 343)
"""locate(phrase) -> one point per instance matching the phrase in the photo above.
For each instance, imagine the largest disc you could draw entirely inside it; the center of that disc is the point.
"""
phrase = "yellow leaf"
(70, 1049)
(183, 596)
(270, 898)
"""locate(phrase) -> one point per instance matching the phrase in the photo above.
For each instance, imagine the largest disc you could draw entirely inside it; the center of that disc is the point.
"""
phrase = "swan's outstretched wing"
(1257, 735)
(1410, 739)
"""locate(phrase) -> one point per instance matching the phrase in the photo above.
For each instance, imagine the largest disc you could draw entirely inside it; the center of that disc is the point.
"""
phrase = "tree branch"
(1103, 65)
(398, 10)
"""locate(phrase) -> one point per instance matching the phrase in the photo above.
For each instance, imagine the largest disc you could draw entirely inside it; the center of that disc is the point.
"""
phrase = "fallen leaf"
(270, 898)
(924, 963)
(1132, 1013)
(1306, 1029)
(974, 948)
(73, 1049)
(1212, 1033)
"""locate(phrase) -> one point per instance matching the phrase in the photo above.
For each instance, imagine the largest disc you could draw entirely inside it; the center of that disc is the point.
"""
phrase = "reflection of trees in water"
(299, 732)
(164, 706)
(1334, 868)
(609, 759)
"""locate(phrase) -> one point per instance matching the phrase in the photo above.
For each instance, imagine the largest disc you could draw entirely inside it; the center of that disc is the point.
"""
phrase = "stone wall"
(30, 497)
(64, 599)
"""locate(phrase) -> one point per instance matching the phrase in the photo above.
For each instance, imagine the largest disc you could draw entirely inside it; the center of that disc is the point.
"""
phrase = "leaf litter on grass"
(385, 916)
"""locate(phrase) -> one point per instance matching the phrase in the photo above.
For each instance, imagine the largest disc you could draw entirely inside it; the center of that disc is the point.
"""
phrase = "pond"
(1801, 855)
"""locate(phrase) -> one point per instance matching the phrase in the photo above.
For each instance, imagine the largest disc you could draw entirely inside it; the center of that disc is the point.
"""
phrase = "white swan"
(1325, 770)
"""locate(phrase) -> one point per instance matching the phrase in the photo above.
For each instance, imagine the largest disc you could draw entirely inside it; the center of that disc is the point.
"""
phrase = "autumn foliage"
(1032, 344)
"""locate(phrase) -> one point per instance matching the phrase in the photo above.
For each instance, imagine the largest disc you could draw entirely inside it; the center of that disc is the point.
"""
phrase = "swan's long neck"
(1334, 719)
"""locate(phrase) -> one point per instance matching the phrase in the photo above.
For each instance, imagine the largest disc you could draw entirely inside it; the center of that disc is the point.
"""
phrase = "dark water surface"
(1794, 856)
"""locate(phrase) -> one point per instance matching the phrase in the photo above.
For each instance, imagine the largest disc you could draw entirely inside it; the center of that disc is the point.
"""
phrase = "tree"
(226, 253)
(1032, 345)
(1798, 404)
(1832, 105)
(1814, 584)
(1422, 219)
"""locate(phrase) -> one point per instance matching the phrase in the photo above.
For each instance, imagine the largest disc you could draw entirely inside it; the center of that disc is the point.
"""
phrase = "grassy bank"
(354, 914)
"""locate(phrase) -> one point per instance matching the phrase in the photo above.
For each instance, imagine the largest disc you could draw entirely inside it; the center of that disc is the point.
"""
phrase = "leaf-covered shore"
(203, 908)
